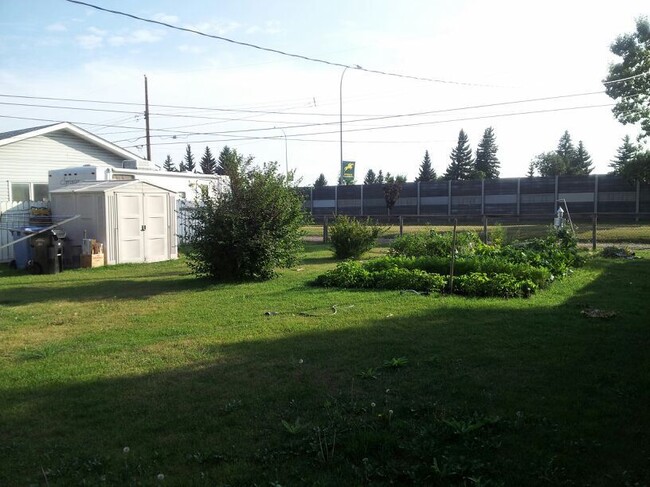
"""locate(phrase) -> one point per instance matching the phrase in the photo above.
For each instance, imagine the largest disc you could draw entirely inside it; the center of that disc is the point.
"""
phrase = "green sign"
(347, 171)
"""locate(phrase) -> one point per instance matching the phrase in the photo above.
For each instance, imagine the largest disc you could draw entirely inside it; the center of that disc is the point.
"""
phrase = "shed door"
(156, 243)
(131, 228)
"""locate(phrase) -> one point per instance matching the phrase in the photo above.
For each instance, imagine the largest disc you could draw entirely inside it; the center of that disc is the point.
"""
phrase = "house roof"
(18, 135)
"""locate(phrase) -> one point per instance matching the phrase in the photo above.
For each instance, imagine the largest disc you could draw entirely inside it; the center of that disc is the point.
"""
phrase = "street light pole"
(286, 152)
(341, 119)
(341, 124)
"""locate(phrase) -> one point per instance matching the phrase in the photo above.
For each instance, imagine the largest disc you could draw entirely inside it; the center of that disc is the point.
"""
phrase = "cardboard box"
(94, 260)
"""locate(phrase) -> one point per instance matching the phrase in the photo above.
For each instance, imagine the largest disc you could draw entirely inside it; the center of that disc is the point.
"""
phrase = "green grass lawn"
(205, 388)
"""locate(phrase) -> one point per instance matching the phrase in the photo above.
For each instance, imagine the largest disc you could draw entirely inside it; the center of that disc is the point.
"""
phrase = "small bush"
(415, 279)
(351, 238)
(348, 274)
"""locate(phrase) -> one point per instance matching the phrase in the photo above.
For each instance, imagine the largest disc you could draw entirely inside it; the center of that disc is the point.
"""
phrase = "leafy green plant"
(494, 285)
(293, 428)
(370, 373)
(351, 238)
(437, 244)
(396, 362)
(347, 274)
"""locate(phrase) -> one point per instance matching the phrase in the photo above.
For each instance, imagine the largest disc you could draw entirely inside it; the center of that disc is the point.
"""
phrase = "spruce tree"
(321, 181)
(370, 177)
(461, 164)
(427, 173)
(380, 177)
(580, 163)
(168, 165)
(531, 170)
(208, 162)
(624, 155)
(565, 147)
(190, 165)
(487, 164)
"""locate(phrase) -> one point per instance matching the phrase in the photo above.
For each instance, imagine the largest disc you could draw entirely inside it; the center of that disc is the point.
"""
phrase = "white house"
(31, 159)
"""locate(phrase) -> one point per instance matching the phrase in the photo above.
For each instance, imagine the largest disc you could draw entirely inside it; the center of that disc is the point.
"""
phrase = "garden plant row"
(422, 262)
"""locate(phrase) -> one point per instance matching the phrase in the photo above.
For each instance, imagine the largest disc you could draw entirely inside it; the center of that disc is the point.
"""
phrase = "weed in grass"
(293, 428)
(370, 373)
(396, 363)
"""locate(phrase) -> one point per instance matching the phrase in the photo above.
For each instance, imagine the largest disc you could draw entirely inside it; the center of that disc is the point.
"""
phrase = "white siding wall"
(29, 160)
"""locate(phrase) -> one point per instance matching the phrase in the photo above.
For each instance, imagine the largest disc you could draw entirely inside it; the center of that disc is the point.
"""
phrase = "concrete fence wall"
(598, 194)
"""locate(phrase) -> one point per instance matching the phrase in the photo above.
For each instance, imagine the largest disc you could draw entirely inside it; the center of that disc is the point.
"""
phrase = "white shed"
(134, 220)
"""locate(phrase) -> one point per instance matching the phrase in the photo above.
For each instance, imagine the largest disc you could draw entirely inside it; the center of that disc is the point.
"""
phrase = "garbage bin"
(23, 249)
(47, 252)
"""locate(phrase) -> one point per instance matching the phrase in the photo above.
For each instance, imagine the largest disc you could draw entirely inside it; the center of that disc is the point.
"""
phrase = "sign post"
(347, 171)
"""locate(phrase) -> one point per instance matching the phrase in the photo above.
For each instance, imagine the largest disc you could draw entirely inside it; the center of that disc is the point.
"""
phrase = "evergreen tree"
(189, 164)
(400, 179)
(427, 173)
(380, 178)
(565, 146)
(370, 177)
(168, 165)
(624, 154)
(208, 162)
(389, 179)
(461, 165)
(233, 164)
(580, 164)
(531, 169)
(182, 167)
(487, 164)
(321, 181)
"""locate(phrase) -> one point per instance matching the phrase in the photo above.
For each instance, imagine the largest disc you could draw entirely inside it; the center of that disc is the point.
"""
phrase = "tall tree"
(565, 146)
(461, 164)
(487, 164)
(400, 179)
(320, 181)
(233, 165)
(168, 165)
(370, 177)
(189, 163)
(628, 82)
(550, 164)
(624, 154)
(427, 173)
(531, 170)
(208, 162)
(380, 178)
(580, 164)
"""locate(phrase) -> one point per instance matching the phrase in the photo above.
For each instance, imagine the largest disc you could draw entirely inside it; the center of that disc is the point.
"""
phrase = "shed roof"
(103, 186)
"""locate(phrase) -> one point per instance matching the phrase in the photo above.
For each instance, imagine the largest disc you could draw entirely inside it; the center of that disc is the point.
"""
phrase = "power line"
(434, 122)
(277, 51)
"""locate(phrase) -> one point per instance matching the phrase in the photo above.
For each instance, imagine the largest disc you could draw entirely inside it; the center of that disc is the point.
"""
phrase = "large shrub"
(350, 238)
(248, 231)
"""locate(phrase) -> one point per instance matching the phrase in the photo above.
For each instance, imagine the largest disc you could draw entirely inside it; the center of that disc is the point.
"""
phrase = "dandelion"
(160, 477)
(372, 404)
(390, 412)
(300, 361)
(387, 391)
(126, 450)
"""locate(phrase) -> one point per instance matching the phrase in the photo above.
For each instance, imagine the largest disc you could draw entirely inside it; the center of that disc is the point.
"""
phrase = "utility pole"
(146, 117)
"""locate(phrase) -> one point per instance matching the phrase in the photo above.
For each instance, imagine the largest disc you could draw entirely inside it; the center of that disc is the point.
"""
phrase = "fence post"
(311, 200)
(401, 225)
(518, 196)
(325, 229)
(482, 196)
(361, 200)
(453, 259)
(485, 230)
(418, 210)
(449, 199)
(336, 200)
(594, 231)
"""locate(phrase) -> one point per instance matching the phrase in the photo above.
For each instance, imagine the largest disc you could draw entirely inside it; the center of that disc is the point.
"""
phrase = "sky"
(484, 64)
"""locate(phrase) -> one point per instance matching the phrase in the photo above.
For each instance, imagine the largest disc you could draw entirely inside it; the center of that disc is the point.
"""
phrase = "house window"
(29, 192)
(40, 192)
(19, 191)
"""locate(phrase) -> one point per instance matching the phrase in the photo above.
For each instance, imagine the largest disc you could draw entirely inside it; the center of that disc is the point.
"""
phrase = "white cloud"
(56, 27)
(191, 49)
(140, 36)
(168, 19)
(219, 27)
(270, 27)
(90, 41)
(96, 31)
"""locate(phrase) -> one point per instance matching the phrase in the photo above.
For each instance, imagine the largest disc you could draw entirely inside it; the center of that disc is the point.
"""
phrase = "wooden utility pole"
(146, 117)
